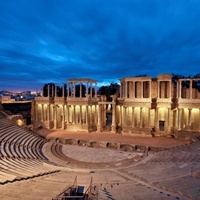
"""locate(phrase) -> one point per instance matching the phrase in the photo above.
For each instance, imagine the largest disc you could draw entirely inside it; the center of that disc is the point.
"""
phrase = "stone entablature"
(71, 87)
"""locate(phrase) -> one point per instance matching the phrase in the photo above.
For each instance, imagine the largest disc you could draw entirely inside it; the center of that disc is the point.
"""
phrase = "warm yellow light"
(20, 122)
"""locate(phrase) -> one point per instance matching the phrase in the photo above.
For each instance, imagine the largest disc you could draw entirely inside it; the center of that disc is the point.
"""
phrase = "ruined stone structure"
(143, 106)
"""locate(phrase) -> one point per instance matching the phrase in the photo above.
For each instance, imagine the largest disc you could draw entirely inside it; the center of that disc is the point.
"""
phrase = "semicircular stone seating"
(21, 155)
(23, 158)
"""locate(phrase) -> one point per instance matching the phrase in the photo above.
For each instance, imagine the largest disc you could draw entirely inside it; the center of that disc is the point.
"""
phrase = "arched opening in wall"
(20, 122)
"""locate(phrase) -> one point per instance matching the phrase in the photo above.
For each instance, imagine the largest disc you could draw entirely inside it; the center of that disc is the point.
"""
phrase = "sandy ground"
(111, 137)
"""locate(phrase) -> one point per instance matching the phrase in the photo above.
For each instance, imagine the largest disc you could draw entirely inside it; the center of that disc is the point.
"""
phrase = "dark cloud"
(45, 41)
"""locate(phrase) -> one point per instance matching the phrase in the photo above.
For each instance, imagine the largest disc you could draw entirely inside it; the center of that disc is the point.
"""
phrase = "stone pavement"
(96, 155)
(111, 137)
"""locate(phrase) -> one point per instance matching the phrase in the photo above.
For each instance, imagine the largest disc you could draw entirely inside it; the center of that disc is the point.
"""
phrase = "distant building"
(143, 106)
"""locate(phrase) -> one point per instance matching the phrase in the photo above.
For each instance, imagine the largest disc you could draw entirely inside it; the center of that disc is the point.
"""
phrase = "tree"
(109, 90)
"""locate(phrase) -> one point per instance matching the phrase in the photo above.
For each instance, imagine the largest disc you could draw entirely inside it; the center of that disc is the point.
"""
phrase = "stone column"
(63, 118)
(86, 88)
(141, 117)
(158, 89)
(113, 118)
(95, 114)
(52, 91)
(157, 119)
(199, 119)
(68, 89)
(42, 91)
(149, 118)
(80, 89)
(170, 90)
(55, 117)
(95, 90)
(36, 92)
(80, 119)
(120, 89)
(74, 115)
(133, 89)
(91, 89)
(179, 119)
(180, 87)
(99, 119)
(133, 117)
(149, 89)
(189, 118)
(124, 116)
(168, 119)
(74, 89)
(48, 91)
(190, 89)
(120, 115)
(142, 95)
(55, 90)
(36, 112)
(86, 115)
(91, 115)
(63, 90)
(67, 114)
(48, 114)
(125, 89)
(42, 113)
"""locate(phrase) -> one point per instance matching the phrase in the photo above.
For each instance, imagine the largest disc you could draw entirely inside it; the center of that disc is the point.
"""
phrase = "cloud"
(44, 42)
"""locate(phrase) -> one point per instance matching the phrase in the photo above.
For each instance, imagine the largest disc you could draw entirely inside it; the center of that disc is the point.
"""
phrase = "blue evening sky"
(44, 41)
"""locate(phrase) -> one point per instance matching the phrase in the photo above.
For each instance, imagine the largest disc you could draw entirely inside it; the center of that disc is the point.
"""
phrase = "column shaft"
(74, 115)
(125, 89)
(141, 83)
(95, 90)
(113, 118)
(189, 118)
(168, 118)
(149, 89)
(91, 115)
(133, 117)
(68, 89)
(55, 117)
(86, 115)
(179, 119)
(121, 115)
(55, 90)
(149, 118)
(141, 118)
(42, 113)
(95, 115)
(80, 119)
(190, 89)
(80, 89)
(133, 89)
(48, 91)
(99, 118)
(63, 117)
(158, 89)
(120, 89)
(124, 116)
(63, 90)
(67, 114)
(199, 119)
(180, 87)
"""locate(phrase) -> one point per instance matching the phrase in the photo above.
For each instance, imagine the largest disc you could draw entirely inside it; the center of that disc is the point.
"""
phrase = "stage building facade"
(142, 106)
